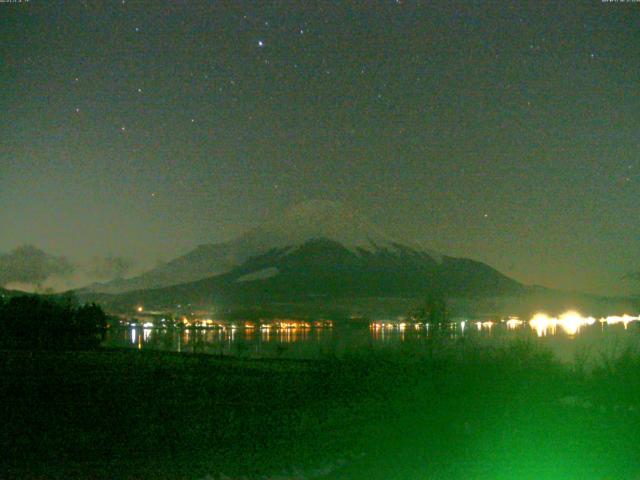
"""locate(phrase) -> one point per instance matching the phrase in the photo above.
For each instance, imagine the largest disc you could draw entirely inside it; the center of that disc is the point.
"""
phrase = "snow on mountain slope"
(324, 219)
(318, 219)
(259, 275)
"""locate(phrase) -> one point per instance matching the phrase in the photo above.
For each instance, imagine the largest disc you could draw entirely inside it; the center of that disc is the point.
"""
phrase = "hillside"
(324, 270)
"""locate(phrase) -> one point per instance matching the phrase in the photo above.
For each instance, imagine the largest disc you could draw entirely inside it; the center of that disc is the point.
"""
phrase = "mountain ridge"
(316, 219)
(322, 269)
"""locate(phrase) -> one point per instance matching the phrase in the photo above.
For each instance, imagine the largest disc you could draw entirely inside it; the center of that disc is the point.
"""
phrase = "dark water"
(589, 342)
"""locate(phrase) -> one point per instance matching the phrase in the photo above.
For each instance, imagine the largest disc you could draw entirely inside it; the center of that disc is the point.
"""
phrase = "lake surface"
(586, 342)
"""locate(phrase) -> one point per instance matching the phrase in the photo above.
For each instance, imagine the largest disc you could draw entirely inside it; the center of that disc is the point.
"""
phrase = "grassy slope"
(442, 414)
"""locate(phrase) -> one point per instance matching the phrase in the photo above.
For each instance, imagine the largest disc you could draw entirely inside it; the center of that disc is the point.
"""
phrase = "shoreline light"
(571, 322)
(615, 319)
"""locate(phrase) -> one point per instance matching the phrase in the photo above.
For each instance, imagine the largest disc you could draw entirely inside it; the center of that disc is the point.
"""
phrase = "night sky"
(508, 132)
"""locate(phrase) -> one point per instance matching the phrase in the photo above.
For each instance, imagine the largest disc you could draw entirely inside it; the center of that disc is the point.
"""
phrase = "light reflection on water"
(567, 335)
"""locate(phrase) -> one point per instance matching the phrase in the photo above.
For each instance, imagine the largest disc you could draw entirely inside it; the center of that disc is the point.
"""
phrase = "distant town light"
(624, 319)
(514, 323)
(571, 322)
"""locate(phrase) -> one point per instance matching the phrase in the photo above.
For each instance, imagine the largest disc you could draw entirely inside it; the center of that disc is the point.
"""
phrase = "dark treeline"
(50, 322)
(433, 309)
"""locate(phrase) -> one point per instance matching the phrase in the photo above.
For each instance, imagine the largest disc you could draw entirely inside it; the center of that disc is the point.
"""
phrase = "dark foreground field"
(454, 413)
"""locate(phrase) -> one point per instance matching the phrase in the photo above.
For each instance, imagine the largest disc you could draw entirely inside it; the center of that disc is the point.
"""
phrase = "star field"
(506, 132)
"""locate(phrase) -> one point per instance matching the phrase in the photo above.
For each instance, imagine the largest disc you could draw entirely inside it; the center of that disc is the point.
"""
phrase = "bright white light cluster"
(513, 323)
(571, 322)
(624, 319)
(484, 325)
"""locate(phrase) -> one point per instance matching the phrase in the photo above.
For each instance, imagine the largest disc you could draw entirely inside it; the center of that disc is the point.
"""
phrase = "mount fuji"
(315, 249)
(313, 220)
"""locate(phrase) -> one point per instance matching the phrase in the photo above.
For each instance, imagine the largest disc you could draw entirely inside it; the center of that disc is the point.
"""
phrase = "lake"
(568, 339)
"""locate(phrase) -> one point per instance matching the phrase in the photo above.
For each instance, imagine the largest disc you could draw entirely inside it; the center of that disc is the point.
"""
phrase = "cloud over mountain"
(109, 267)
(30, 265)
